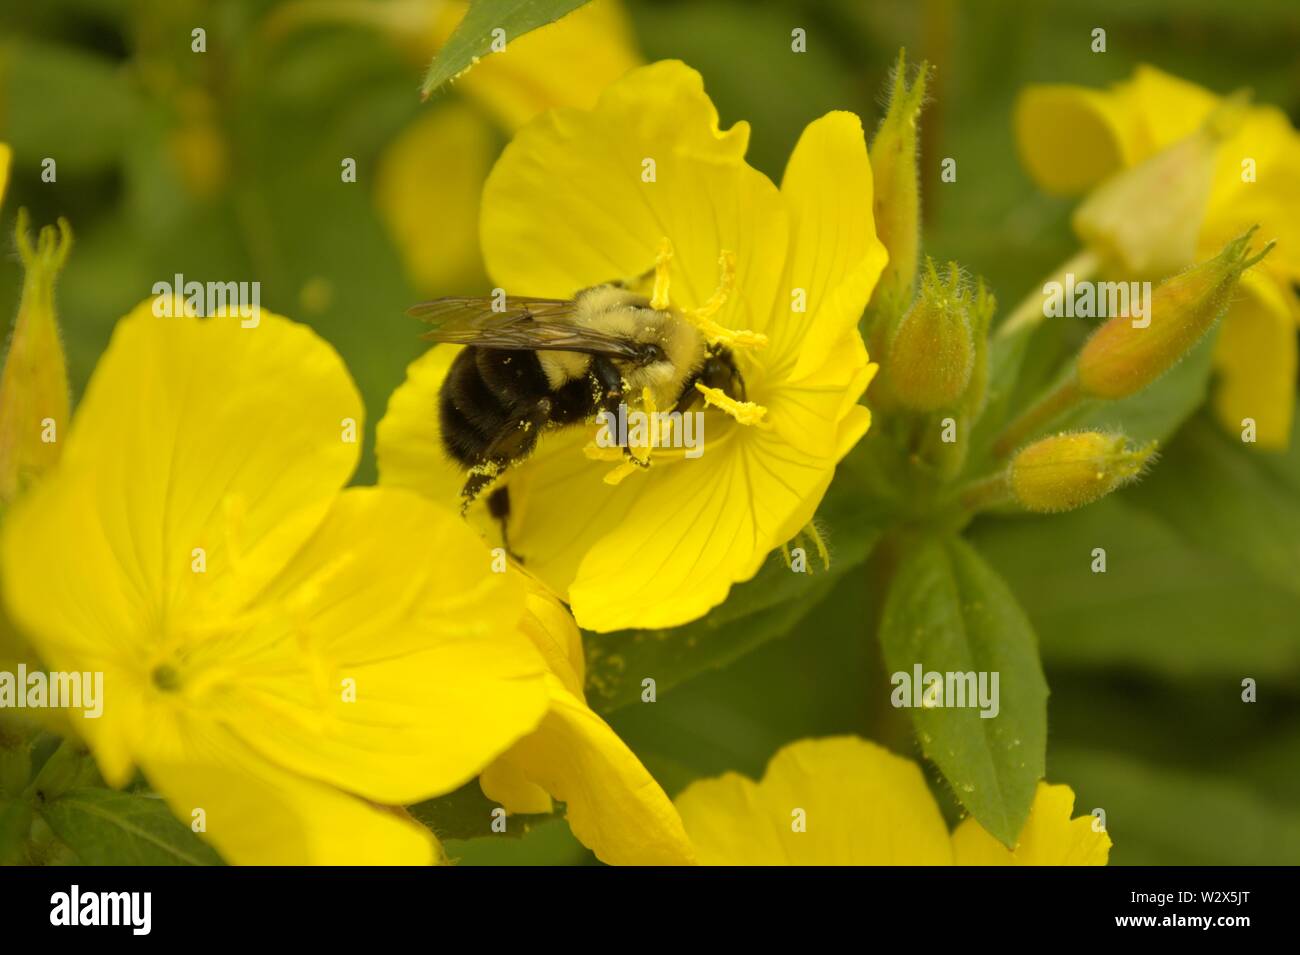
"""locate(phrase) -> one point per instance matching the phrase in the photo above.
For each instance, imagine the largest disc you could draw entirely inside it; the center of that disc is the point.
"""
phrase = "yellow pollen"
(702, 317)
(745, 412)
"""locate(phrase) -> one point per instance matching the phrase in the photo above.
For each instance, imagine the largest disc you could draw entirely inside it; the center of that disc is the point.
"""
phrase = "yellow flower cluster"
(297, 659)
(1219, 168)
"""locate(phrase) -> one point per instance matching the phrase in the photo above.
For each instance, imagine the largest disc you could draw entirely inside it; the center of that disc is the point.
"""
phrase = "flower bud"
(34, 402)
(1070, 470)
(894, 177)
(1121, 359)
(1146, 220)
(932, 353)
(6, 154)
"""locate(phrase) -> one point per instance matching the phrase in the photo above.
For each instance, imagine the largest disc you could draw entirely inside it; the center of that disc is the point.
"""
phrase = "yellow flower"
(1071, 138)
(613, 805)
(572, 203)
(845, 801)
(429, 179)
(285, 656)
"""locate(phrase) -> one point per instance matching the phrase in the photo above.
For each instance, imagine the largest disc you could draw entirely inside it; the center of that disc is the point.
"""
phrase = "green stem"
(985, 492)
(1030, 311)
(1056, 402)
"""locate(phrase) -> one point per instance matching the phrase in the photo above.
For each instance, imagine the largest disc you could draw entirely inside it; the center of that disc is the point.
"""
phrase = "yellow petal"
(255, 813)
(835, 256)
(613, 805)
(552, 631)
(694, 529)
(1266, 138)
(1255, 357)
(1050, 836)
(1070, 137)
(394, 600)
(568, 205)
(408, 439)
(566, 63)
(859, 803)
(193, 437)
(1167, 108)
(427, 187)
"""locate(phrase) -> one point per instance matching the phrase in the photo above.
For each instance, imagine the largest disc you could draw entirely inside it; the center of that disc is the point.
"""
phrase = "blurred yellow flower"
(613, 805)
(581, 198)
(846, 801)
(1071, 138)
(282, 659)
(430, 178)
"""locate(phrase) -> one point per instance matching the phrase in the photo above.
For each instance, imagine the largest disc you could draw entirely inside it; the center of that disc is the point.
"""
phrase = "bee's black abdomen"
(514, 378)
(460, 439)
(574, 401)
(469, 414)
(490, 393)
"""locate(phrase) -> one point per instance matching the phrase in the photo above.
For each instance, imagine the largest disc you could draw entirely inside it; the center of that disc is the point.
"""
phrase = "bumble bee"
(546, 363)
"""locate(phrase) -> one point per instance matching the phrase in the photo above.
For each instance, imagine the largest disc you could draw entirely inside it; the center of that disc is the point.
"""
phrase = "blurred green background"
(226, 166)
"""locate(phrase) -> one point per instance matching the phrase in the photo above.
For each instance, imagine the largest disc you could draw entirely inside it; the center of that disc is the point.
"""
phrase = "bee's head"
(671, 349)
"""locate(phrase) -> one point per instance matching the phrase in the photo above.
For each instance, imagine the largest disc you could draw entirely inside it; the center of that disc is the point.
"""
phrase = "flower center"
(166, 677)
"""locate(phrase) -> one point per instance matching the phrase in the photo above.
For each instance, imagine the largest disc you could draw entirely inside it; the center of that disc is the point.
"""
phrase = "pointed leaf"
(950, 613)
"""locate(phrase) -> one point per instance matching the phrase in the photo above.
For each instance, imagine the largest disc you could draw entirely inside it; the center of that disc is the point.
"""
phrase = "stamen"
(642, 455)
(659, 300)
(745, 412)
(702, 317)
(616, 476)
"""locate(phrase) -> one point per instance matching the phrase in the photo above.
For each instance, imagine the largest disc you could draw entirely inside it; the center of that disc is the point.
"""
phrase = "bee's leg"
(498, 505)
(609, 384)
(718, 371)
(516, 442)
(609, 395)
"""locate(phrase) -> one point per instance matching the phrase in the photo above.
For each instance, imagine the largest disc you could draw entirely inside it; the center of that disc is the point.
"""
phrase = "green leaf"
(950, 613)
(758, 610)
(80, 110)
(15, 825)
(1232, 499)
(1158, 816)
(550, 842)
(473, 37)
(105, 827)
(466, 813)
(1162, 603)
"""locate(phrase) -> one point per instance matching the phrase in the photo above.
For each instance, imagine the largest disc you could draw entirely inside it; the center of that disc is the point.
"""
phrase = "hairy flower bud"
(1070, 470)
(894, 174)
(932, 352)
(6, 154)
(34, 402)
(1121, 359)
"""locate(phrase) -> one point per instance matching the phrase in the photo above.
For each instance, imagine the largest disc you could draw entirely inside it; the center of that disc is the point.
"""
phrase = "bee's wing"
(525, 324)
